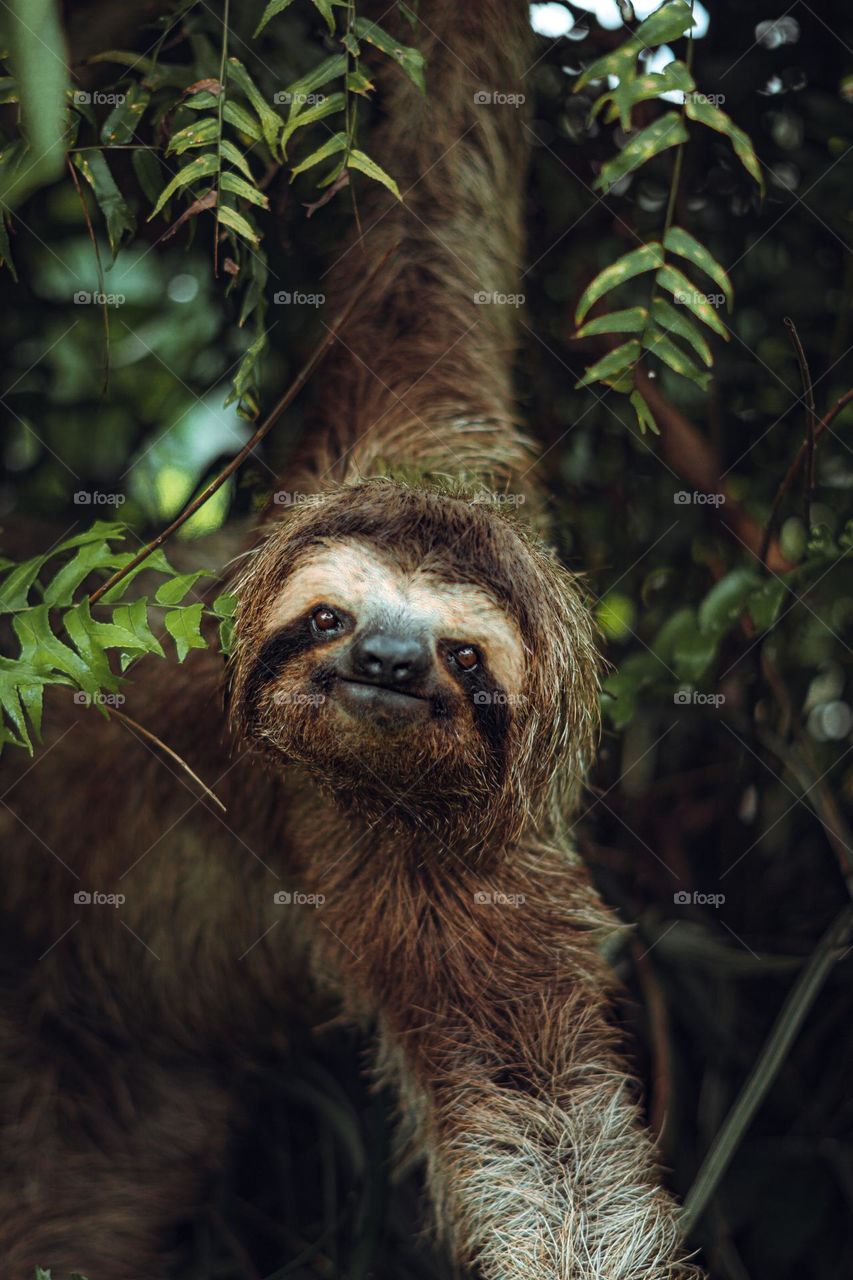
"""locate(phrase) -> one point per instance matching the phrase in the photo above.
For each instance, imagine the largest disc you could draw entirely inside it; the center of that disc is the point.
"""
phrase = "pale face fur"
(352, 576)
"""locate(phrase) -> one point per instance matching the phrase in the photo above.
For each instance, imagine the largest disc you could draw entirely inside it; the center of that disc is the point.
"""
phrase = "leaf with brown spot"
(211, 84)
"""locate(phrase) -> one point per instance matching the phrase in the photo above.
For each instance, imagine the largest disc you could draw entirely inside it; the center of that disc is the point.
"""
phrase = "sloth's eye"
(326, 620)
(467, 657)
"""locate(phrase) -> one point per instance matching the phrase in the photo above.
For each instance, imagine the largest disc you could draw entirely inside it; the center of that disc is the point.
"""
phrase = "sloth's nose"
(389, 658)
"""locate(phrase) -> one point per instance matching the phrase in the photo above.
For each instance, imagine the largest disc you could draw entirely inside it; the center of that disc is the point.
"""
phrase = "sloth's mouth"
(385, 703)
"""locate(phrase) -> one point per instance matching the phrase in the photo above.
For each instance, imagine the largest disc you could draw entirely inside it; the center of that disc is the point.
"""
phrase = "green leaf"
(271, 121)
(677, 322)
(699, 108)
(665, 349)
(37, 53)
(299, 91)
(201, 133)
(329, 105)
(202, 167)
(679, 241)
(338, 142)
(154, 562)
(727, 601)
(236, 222)
(647, 258)
(612, 365)
(244, 379)
(411, 60)
(92, 639)
(253, 294)
(631, 90)
(357, 82)
(184, 626)
(687, 295)
(273, 9)
(683, 647)
(173, 591)
(645, 417)
(47, 653)
(240, 187)
(766, 603)
(324, 7)
(669, 22)
(14, 590)
(149, 173)
(123, 121)
(631, 320)
(241, 120)
(358, 160)
(111, 202)
(133, 617)
(225, 605)
(236, 158)
(60, 591)
(668, 131)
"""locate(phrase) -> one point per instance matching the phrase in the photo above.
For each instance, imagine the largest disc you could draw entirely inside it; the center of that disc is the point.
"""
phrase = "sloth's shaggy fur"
(455, 918)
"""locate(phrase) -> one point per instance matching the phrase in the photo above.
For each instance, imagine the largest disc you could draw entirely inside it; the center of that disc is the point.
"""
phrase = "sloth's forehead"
(369, 584)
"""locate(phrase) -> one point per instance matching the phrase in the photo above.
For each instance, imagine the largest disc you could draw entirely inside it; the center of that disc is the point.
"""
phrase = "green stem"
(220, 125)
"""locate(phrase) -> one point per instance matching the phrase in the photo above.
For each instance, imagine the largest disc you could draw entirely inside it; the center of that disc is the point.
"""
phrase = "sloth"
(411, 708)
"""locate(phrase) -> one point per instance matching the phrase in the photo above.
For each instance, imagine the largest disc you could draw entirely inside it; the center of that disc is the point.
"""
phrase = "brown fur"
(454, 912)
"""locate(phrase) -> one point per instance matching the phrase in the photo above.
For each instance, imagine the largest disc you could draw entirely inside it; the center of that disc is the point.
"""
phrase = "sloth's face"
(386, 679)
(407, 670)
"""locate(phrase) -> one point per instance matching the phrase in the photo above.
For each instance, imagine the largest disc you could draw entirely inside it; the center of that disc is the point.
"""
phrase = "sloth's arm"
(493, 1025)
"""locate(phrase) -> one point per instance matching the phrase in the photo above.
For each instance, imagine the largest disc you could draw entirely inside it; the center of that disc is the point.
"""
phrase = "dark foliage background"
(726, 766)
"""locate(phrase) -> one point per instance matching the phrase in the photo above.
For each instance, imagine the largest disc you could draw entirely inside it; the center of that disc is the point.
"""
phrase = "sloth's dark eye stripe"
(276, 651)
(491, 710)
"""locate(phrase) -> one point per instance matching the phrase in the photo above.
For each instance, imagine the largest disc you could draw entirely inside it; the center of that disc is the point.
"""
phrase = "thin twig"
(824, 425)
(146, 733)
(811, 421)
(270, 420)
